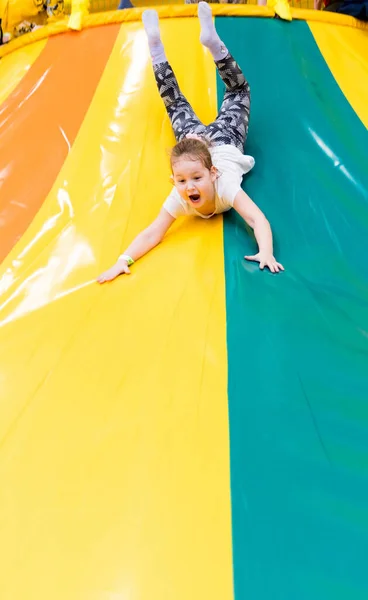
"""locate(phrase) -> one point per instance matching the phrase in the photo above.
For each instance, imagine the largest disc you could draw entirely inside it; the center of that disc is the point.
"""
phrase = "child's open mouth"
(194, 197)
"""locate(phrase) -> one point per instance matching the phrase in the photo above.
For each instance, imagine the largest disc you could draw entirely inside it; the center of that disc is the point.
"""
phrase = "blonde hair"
(195, 150)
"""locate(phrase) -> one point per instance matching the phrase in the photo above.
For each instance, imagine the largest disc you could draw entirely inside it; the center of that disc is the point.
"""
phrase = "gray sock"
(209, 36)
(152, 28)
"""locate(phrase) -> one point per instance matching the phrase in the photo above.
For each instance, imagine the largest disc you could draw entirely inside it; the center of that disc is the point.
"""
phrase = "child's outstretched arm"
(143, 243)
(262, 231)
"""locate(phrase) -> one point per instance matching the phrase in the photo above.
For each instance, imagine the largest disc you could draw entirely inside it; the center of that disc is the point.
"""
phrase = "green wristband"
(127, 258)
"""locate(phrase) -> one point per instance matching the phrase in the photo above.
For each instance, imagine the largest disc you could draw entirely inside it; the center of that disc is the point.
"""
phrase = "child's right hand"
(119, 268)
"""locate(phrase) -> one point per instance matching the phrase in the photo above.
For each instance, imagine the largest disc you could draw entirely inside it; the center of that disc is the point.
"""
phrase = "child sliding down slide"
(207, 162)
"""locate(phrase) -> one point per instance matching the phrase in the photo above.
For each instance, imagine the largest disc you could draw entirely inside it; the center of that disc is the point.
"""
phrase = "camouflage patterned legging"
(231, 124)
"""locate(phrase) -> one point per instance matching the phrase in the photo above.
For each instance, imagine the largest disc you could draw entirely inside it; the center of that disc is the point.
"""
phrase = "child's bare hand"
(118, 269)
(266, 260)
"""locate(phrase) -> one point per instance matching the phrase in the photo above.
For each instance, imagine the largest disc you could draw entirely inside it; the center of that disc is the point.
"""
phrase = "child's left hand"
(266, 260)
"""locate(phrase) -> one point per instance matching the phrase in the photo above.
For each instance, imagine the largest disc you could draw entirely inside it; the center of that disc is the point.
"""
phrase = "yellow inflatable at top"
(21, 16)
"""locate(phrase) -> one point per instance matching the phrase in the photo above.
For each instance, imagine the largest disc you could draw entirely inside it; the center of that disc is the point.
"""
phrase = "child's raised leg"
(231, 125)
(182, 116)
(209, 36)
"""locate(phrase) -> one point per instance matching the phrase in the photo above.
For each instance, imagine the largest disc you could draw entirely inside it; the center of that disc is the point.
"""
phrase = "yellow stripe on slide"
(114, 459)
(15, 66)
(345, 51)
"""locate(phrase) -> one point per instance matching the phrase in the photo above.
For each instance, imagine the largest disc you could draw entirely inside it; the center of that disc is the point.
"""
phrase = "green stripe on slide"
(297, 342)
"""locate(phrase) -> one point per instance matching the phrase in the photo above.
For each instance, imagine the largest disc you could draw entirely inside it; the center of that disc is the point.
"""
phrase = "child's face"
(194, 182)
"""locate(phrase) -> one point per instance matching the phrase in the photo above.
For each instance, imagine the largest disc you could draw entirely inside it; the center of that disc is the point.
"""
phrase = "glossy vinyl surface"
(119, 479)
(297, 343)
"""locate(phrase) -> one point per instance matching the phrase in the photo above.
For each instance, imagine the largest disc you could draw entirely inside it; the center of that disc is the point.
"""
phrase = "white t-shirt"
(231, 165)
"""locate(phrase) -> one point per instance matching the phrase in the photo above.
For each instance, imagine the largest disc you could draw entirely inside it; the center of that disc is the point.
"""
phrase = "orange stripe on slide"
(40, 120)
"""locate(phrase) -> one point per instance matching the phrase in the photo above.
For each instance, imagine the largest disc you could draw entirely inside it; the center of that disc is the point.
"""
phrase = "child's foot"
(152, 28)
(209, 36)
